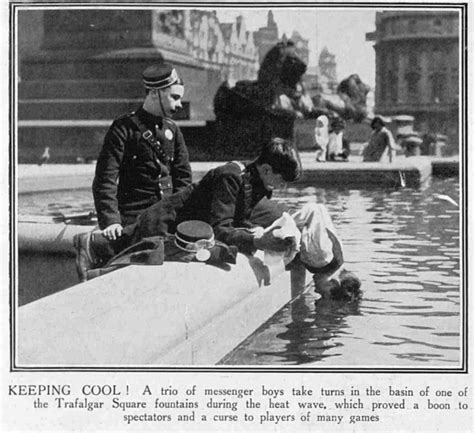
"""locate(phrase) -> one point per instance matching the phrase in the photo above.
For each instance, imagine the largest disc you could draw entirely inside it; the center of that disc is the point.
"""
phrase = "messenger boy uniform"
(144, 157)
(234, 201)
(224, 198)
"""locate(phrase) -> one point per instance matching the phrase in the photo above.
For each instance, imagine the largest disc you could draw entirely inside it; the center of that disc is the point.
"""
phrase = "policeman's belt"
(154, 144)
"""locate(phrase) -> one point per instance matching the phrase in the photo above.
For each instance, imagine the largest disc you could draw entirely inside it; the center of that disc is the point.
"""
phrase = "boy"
(234, 201)
(320, 248)
(224, 198)
(338, 148)
(144, 157)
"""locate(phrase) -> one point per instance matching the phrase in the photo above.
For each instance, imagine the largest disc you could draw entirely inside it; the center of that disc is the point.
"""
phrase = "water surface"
(403, 244)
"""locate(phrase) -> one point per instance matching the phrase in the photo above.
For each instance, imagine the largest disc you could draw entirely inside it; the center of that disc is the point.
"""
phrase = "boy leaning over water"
(224, 199)
(233, 199)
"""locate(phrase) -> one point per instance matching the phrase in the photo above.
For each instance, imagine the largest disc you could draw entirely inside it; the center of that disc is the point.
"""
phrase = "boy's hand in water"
(113, 232)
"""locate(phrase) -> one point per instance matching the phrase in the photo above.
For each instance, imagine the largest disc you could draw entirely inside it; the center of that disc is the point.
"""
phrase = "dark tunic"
(378, 142)
(128, 176)
(224, 198)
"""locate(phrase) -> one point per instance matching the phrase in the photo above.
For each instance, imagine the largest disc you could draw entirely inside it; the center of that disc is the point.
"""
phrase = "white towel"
(284, 228)
(316, 247)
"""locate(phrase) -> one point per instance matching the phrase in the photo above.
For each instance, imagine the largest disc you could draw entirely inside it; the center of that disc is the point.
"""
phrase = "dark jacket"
(128, 176)
(224, 198)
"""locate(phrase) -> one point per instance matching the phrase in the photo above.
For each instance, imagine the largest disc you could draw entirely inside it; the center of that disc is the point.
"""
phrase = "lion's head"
(281, 65)
(353, 91)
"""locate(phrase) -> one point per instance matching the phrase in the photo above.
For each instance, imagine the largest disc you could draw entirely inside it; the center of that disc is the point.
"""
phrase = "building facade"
(327, 70)
(266, 37)
(301, 45)
(417, 68)
(80, 68)
(321, 80)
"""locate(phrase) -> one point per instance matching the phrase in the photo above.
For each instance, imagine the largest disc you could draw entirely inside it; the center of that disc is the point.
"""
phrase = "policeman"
(144, 156)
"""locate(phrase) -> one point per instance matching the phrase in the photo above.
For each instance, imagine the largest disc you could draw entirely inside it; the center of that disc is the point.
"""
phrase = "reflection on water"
(53, 202)
(404, 246)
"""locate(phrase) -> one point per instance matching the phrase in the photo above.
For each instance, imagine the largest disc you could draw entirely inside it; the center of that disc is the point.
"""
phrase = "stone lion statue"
(252, 112)
(352, 92)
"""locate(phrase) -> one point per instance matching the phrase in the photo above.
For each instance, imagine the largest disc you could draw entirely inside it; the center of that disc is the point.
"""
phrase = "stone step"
(60, 67)
(83, 109)
(446, 167)
(81, 140)
(190, 329)
(402, 172)
(80, 89)
(355, 174)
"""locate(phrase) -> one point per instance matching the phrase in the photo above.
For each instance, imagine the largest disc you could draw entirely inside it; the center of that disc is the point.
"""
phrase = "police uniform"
(130, 174)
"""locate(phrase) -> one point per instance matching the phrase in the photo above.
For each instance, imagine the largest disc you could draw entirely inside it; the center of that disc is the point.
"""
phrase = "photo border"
(14, 6)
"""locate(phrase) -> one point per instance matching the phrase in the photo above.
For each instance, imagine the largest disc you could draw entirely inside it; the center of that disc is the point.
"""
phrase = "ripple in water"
(404, 246)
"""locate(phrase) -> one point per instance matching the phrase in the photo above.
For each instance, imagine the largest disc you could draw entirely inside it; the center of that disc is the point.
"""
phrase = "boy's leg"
(160, 219)
(93, 249)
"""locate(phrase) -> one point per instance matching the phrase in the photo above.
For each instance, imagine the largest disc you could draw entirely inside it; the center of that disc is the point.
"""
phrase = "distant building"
(301, 45)
(417, 68)
(81, 68)
(327, 70)
(322, 79)
(266, 37)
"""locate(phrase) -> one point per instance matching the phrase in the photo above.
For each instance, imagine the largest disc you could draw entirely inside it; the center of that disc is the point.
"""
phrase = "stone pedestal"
(87, 69)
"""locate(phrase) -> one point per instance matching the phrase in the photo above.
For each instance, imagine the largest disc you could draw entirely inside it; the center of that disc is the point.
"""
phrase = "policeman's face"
(171, 99)
(270, 179)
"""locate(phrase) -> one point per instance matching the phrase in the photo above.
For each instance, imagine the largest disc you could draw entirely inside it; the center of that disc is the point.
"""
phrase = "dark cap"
(160, 76)
(377, 119)
(195, 236)
(338, 122)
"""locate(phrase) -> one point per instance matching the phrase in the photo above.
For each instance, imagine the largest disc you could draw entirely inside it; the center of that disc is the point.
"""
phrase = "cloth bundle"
(313, 233)
(284, 228)
(316, 248)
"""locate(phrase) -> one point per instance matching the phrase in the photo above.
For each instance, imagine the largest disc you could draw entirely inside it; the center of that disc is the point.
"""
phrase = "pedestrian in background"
(380, 141)
(321, 135)
(338, 147)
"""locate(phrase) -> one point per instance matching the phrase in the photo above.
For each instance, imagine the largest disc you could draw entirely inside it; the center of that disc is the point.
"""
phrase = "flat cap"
(159, 76)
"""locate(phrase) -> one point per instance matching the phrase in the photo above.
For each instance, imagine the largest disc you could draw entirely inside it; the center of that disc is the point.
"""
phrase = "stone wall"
(417, 68)
(79, 69)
